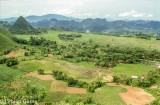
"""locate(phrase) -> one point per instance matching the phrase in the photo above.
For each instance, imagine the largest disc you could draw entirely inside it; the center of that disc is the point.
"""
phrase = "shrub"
(91, 88)
(26, 54)
(7, 51)
(40, 71)
(3, 60)
(144, 83)
(11, 62)
(116, 79)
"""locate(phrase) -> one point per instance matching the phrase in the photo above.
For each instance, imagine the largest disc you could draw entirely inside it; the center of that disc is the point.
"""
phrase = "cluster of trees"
(71, 81)
(158, 38)
(106, 56)
(129, 55)
(143, 36)
(69, 36)
(34, 41)
(41, 41)
(76, 83)
(30, 51)
(19, 40)
(9, 61)
(152, 78)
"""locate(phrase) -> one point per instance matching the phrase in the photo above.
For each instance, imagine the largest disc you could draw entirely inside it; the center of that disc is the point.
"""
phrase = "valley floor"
(26, 73)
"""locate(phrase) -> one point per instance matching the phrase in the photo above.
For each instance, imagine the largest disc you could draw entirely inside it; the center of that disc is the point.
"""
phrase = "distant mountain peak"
(21, 26)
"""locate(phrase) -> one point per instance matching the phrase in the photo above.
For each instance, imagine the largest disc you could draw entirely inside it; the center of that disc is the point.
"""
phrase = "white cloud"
(85, 15)
(150, 15)
(82, 8)
(107, 15)
(90, 14)
(135, 14)
(63, 11)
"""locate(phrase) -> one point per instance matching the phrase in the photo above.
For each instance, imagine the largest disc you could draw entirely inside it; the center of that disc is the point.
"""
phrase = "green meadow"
(100, 39)
(132, 69)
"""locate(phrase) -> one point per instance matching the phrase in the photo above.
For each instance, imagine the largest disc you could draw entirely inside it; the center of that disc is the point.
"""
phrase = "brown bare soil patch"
(42, 77)
(50, 55)
(17, 53)
(63, 87)
(73, 90)
(11, 54)
(58, 86)
(134, 95)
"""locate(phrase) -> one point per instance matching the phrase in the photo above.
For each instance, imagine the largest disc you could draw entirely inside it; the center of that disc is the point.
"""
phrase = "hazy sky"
(114, 9)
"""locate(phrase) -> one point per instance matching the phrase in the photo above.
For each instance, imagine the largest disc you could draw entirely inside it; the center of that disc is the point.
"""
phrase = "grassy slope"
(102, 39)
(39, 83)
(5, 40)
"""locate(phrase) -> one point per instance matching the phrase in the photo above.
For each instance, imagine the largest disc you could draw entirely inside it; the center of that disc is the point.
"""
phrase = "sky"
(113, 9)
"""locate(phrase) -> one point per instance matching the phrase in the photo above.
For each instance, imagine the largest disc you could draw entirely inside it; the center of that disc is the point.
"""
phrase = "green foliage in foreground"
(8, 74)
(28, 92)
(80, 100)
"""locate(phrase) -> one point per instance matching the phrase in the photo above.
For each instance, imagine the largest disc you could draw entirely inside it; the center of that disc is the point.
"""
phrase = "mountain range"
(102, 25)
(97, 25)
(34, 18)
